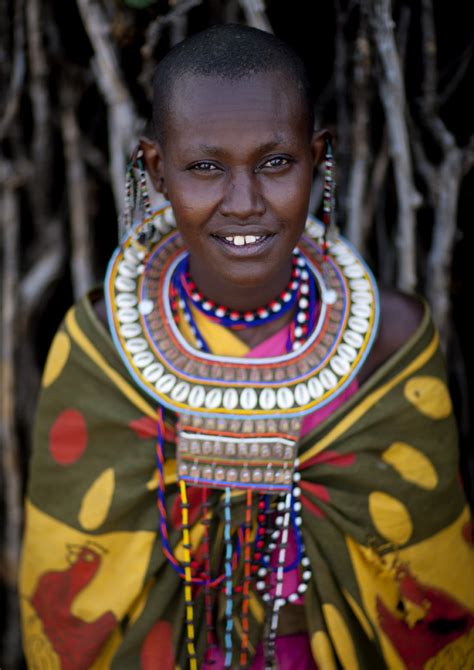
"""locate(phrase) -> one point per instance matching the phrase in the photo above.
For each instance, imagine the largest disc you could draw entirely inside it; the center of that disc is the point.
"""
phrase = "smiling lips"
(243, 240)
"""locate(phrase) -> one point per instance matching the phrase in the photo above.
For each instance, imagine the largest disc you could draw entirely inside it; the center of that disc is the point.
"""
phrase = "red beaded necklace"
(299, 292)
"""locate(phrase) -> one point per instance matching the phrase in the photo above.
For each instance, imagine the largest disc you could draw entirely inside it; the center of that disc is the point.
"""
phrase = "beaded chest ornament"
(239, 419)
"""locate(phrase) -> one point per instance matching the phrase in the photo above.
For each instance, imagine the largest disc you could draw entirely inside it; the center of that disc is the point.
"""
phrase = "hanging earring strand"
(331, 230)
(148, 231)
(137, 203)
(328, 196)
(126, 218)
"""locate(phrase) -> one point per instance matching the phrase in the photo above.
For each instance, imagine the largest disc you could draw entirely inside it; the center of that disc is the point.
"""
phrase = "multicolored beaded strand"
(136, 193)
(257, 562)
(328, 195)
(300, 291)
(233, 318)
(188, 595)
(301, 558)
(228, 581)
(305, 308)
(278, 601)
(129, 198)
(160, 501)
(247, 579)
(208, 599)
(202, 577)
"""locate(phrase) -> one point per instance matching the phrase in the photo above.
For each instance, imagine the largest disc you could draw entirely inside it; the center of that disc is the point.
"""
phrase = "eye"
(277, 161)
(203, 166)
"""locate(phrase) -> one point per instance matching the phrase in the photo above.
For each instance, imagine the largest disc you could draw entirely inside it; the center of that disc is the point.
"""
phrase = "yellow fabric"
(380, 495)
(222, 340)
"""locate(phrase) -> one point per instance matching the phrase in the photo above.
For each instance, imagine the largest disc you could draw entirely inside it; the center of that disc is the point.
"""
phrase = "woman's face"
(237, 167)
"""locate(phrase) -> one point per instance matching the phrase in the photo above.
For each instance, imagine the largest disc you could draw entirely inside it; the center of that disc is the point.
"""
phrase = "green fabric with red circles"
(97, 591)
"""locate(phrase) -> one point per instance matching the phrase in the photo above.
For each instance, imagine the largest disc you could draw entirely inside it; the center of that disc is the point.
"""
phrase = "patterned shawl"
(385, 521)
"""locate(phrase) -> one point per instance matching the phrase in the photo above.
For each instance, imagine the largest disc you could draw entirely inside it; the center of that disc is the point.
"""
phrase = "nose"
(242, 198)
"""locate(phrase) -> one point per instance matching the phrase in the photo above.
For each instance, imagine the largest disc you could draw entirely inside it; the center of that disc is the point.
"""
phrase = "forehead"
(205, 107)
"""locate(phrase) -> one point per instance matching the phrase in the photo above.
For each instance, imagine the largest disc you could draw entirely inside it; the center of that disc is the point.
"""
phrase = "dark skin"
(240, 186)
(238, 160)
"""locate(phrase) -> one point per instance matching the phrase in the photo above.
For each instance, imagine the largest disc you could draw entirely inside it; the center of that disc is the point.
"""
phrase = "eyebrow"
(214, 150)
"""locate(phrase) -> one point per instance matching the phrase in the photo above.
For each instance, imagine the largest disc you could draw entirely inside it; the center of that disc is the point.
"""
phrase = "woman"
(309, 505)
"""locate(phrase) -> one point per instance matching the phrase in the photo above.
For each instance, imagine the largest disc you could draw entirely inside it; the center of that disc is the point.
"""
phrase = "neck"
(241, 297)
(225, 296)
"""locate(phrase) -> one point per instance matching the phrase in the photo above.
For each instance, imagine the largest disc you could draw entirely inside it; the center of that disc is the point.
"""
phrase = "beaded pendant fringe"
(188, 596)
(251, 545)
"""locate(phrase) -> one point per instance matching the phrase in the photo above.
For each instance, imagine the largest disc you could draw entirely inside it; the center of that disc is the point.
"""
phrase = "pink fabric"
(293, 651)
(275, 345)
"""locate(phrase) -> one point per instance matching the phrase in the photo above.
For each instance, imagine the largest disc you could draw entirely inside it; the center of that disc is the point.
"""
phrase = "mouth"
(246, 242)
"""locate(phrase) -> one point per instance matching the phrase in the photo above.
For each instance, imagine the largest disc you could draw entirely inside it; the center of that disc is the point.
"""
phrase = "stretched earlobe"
(153, 161)
(163, 188)
(319, 143)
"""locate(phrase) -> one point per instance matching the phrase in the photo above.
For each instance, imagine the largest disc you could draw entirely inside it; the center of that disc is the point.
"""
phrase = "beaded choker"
(299, 292)
(238, 418)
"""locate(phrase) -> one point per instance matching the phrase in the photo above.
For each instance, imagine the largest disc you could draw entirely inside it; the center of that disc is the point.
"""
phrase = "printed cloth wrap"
(385, 521)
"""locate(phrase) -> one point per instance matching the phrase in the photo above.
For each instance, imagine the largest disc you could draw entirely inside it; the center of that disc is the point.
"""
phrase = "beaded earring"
(126, 216)
(138, 198)
(330, 229)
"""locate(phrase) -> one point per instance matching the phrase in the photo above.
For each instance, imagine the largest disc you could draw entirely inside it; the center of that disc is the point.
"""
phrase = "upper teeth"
(240, 240)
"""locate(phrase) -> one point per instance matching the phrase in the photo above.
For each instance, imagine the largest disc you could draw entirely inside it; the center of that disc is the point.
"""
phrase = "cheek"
(292, 209)
(289, 195)
(192, 206)
(193, 193)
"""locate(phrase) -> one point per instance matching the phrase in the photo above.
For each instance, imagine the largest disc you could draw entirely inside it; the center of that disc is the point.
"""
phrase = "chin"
(249, 281)
(243, 277)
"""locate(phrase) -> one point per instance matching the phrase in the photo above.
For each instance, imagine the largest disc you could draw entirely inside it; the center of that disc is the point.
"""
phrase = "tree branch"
(392, 96)
(443, 181)
(81, 256)
(18, 70)
(255, 15)
(359, 167)
(122, 118)
(9, 243)
(40, 186)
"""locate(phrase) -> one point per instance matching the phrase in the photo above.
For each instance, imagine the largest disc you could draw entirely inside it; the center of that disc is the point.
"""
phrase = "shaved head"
(231, 51)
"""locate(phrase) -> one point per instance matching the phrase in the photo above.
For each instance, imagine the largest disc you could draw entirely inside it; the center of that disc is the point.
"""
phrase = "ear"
(153, 160)
(318, 145)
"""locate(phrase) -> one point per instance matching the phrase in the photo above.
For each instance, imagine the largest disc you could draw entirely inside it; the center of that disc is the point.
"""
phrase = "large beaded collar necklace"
(239, 418)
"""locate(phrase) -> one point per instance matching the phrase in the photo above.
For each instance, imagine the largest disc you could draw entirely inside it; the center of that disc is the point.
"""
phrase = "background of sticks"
(394, 83)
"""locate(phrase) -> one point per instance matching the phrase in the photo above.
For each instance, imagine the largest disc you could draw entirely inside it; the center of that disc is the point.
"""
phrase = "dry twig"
(443, 180)
(358, 171)
(123, 122)
(18, 70)
(9, 243)
(255, 15)
(81, 251)
(392, 95)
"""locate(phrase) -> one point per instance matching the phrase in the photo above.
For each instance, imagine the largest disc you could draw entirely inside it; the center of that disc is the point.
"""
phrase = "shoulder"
(97, 300)
(400, 316)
